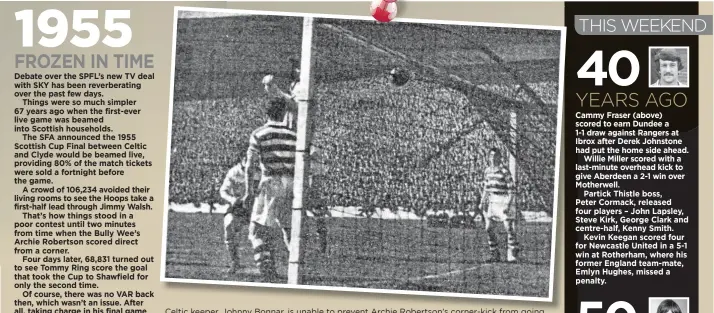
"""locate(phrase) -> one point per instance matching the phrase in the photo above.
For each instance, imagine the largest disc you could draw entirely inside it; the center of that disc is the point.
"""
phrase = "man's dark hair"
(276, 109)
(669, 55)
(668, 306)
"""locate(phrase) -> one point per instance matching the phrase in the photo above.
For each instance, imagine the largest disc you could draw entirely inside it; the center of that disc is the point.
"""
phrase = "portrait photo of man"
(669, 67)
(669, 305)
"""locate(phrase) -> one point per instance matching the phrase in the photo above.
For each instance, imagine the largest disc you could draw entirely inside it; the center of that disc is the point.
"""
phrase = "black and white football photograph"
(331, 152)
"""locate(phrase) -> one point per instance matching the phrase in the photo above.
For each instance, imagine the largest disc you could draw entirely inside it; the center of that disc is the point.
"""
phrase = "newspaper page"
(385, 156)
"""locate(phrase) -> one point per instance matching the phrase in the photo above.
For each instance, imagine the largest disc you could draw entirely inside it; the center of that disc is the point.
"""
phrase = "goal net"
(399, 168)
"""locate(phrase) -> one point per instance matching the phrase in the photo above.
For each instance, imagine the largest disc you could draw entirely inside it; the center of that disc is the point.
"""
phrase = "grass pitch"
(370, 253)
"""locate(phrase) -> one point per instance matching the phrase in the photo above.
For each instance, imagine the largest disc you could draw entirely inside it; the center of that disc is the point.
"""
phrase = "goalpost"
(305, 102)
(304, 97)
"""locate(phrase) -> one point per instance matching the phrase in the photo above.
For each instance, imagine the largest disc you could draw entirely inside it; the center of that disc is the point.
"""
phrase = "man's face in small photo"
(668, 71)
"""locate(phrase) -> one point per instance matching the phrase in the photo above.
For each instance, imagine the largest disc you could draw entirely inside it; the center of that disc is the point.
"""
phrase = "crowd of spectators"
(418, 148)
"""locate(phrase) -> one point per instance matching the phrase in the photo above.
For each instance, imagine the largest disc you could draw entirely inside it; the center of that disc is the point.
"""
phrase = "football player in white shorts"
(498, 205)
(272, 148)
(236, 215)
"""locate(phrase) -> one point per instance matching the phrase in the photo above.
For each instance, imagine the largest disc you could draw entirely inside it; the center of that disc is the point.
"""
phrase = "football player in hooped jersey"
(497, 205)
(319, 210)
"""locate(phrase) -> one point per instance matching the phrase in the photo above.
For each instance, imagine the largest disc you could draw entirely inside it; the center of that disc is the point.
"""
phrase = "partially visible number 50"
(55, 35)
(586, 306)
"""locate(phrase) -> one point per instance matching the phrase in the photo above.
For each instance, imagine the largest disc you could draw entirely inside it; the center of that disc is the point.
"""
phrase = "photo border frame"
(556, 183)
(651, 309)
(650, 61)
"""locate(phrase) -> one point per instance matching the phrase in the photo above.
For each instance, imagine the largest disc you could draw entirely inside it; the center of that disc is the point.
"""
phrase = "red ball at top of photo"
(383, 10)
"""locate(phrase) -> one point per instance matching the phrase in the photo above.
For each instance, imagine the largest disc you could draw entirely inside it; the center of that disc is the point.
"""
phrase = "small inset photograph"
(669, 67)
(669, 305)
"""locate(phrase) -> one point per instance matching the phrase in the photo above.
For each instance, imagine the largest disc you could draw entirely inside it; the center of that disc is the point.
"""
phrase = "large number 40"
(599, 75)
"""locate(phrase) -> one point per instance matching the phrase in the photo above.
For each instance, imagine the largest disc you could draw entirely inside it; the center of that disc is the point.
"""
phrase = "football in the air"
(399, 76)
